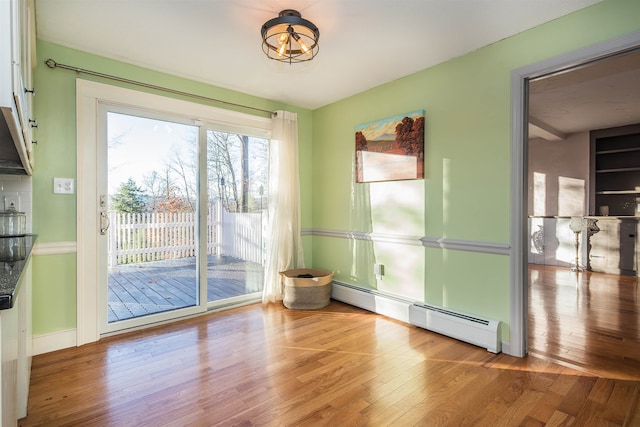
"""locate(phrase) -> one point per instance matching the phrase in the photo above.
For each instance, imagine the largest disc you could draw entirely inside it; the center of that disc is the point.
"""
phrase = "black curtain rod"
(53, 64)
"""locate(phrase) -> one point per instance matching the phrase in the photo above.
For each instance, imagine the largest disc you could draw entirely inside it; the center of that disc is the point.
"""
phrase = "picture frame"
(390, 149)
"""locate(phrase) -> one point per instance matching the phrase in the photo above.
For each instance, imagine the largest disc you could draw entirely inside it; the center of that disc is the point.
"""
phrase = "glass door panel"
(152, 217)
(237, 172)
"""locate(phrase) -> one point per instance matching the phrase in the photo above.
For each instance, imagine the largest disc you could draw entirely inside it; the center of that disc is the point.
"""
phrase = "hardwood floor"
(586, 320)
(340, 366)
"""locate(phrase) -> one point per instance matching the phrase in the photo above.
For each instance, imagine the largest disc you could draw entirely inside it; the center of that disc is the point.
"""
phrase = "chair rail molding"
(55, 248)
(426, 241)
(467, 245)
(362, 235)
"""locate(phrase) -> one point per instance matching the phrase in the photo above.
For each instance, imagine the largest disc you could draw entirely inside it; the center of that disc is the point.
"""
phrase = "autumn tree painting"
(410, 136)
(391, 149)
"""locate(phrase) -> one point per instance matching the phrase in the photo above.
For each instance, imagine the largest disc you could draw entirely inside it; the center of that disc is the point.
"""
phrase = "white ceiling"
(599, 95)
(363, 43)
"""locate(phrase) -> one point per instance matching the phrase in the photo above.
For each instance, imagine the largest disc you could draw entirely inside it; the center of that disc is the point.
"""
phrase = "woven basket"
(306, 293)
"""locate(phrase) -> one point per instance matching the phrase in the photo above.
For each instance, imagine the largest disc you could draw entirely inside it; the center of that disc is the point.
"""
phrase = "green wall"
(465, 193)
(54, 216)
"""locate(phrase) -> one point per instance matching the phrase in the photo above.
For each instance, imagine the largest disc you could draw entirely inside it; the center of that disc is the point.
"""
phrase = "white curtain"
(284, 244)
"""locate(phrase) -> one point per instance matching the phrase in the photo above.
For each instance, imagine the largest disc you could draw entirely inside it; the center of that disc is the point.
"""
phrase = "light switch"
(63, 186)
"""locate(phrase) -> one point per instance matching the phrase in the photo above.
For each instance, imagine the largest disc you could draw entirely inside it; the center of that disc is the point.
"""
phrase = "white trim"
(429, 242)
(517, 265)
(389, 305)
(54, 341)
(55, 248)
(360, 235)
(87, 102)
(441, 320)
(518, 225)
(191, 112)
(466, 245)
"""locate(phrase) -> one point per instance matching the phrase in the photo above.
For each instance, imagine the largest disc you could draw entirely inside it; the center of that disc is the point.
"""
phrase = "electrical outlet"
(12, 202)
(378, 270)
(63, 186)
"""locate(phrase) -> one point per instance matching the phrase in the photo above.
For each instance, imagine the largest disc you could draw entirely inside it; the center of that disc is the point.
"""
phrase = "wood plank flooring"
(585, 320)
(154, 287)
(340, 366)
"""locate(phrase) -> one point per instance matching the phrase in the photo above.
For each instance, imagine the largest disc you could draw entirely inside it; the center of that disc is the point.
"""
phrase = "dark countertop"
(11, 272)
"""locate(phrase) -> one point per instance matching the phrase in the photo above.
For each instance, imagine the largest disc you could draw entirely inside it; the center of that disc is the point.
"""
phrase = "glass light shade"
(283, 37)
(577, 224)
(283, 48)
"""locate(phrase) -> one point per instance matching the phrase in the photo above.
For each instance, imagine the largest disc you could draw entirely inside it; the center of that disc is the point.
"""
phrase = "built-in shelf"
(620, 150)
(618, 170)
(615, 170)
(619, 192)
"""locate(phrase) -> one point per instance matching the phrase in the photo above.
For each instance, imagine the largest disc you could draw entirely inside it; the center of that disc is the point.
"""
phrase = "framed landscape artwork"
(391, 149)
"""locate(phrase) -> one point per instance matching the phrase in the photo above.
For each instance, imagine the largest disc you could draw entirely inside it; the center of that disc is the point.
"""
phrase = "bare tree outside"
(237, 173)
(184, 173)
(237, 170)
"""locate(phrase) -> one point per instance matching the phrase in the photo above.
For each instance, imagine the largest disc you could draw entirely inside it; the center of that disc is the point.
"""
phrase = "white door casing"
(90, 97)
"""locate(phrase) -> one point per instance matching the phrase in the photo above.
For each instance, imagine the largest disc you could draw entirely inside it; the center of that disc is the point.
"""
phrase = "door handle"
(104, 223)
(104, 218)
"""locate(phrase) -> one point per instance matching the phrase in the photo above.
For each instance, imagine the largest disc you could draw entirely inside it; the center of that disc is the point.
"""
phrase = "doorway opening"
(565, 308)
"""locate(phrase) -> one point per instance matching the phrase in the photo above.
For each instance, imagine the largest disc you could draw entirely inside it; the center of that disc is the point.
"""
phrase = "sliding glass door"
(182, 211)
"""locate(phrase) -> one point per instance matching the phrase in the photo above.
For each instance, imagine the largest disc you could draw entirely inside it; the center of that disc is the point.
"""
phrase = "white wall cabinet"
(17, 59)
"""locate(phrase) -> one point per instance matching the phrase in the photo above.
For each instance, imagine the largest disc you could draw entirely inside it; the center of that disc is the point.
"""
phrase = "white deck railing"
(143, 237)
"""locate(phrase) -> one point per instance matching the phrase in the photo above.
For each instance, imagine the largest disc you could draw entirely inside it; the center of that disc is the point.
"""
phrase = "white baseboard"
(444, 322)
(395, 308)
(54, 341)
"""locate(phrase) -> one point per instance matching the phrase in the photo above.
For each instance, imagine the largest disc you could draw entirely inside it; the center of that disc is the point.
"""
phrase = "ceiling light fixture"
(290, 38)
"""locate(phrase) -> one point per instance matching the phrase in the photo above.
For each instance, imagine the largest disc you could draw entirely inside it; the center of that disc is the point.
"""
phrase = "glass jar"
(12, 223)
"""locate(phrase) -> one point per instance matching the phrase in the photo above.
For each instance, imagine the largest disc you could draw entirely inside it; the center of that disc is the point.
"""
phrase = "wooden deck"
(153, 287)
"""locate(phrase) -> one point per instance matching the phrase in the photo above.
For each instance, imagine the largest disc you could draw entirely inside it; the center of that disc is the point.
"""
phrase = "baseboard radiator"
(481, 332)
